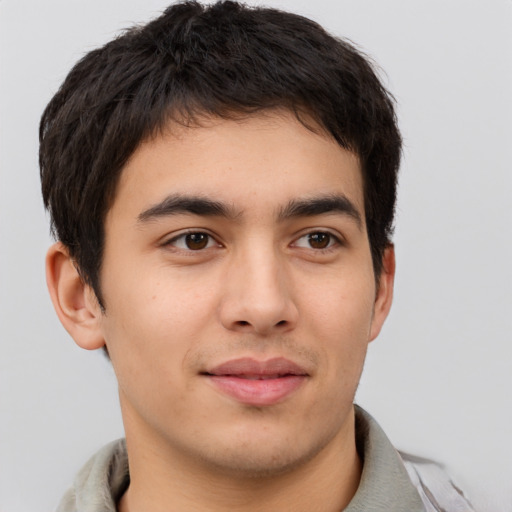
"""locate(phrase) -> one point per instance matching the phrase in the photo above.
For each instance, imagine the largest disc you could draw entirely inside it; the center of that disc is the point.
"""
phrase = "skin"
(261, 287)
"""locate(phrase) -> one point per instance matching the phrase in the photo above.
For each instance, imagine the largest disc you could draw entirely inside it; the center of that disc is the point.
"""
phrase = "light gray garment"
(397, 482)
(390, 482)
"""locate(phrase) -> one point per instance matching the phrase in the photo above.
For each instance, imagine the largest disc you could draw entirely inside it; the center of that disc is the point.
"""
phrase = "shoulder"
(436, 488)
(100, 482)
(407, 482)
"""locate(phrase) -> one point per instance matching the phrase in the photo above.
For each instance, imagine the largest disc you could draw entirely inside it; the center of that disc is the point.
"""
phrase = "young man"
(222, 184)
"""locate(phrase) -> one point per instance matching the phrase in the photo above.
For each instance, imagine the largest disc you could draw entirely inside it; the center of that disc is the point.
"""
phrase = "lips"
(257, 383)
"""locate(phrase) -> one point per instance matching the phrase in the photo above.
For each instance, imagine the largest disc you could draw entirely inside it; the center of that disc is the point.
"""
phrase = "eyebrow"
(176, 204)
(319, 206)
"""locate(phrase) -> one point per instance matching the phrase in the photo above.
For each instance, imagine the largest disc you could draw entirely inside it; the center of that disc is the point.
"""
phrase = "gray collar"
(384, 485)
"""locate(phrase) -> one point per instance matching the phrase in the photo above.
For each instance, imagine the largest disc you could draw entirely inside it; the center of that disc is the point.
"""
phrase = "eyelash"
(183, 236)
(333, 241)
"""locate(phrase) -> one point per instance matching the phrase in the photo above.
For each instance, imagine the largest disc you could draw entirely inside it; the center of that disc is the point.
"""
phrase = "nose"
(258, 295)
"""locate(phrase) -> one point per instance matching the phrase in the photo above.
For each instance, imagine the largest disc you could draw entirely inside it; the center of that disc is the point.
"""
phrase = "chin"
(261, 459)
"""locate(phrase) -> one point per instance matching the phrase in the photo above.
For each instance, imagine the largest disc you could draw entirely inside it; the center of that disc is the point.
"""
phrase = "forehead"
(254, 163)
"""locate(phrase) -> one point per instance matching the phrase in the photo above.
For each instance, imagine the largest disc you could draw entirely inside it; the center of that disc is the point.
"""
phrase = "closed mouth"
(257, 383)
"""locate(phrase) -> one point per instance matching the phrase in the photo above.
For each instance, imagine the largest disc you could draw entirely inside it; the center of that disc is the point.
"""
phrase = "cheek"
(149, 333)
(342, 305)
(152, 325)
(156, 302)
(339, 316)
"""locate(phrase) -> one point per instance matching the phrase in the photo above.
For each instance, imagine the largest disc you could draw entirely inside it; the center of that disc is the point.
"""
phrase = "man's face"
(239, 293)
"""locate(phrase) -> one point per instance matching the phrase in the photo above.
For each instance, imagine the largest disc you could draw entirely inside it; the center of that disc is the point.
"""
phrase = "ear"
(74, 301)
(384, 296)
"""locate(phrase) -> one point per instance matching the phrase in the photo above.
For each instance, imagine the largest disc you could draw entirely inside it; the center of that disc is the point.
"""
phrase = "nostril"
(243, 322)
(282, 322)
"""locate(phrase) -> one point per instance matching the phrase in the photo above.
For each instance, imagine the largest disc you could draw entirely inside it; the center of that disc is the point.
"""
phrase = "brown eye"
(192, 241)
(319, 240)
(197, 241)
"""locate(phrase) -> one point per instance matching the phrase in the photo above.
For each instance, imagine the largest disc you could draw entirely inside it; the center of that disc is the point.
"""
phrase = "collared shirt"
(390, 482)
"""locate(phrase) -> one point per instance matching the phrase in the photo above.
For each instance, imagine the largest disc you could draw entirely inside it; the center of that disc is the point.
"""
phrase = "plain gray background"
(439, 378)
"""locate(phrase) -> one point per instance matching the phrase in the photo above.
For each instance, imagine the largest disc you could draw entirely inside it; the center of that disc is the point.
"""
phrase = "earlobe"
(73, 300)
(384, 297)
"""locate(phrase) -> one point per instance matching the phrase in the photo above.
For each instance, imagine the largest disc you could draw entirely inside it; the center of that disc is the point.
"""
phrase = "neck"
(163, 480)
